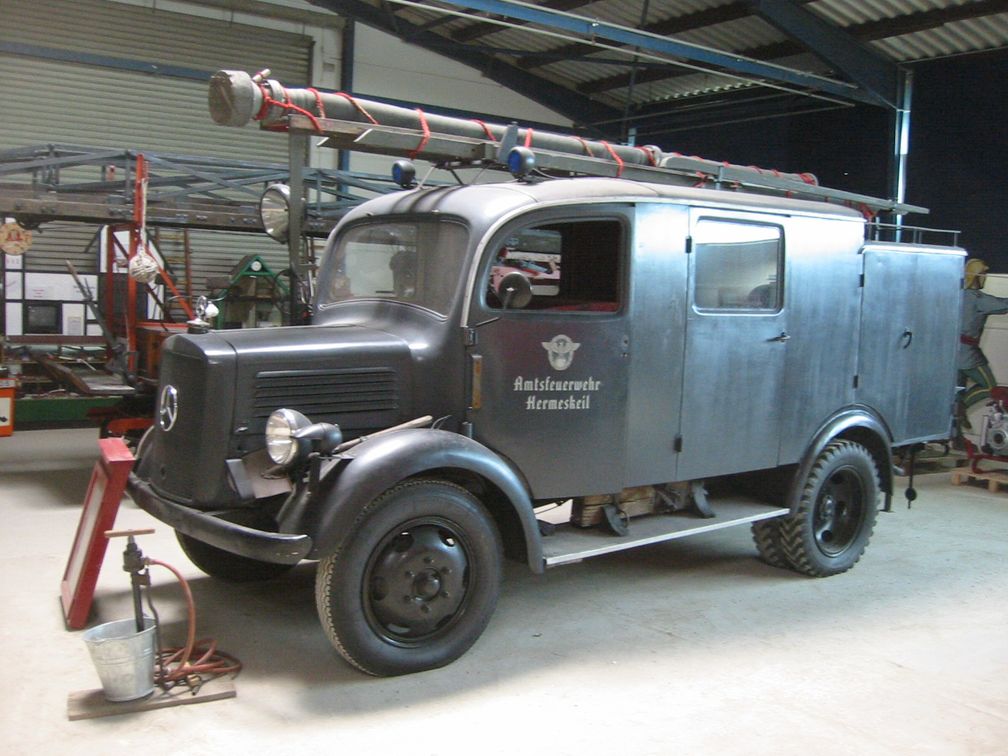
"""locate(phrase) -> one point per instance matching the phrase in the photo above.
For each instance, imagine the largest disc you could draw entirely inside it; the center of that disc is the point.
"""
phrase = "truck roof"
(488, 202)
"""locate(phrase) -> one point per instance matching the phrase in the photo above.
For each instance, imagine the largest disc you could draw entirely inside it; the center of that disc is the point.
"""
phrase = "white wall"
(994, 341)
(384, 67)
(387, 67)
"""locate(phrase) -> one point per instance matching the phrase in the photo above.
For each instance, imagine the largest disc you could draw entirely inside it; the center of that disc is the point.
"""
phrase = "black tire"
(415, 582)
(836, 513)
(223, 564)
(766, 534)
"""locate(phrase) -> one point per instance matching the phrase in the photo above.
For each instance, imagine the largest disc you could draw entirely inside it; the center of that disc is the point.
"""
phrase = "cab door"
(547, 376)
(736, 344)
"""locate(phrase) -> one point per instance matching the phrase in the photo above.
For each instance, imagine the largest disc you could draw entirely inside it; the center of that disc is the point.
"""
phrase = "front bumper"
(282, 548)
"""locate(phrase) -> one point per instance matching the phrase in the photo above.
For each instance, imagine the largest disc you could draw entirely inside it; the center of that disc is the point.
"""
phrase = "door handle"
(783, 336)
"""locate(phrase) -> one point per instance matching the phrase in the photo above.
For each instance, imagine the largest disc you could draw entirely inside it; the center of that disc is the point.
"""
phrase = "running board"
(570, 543)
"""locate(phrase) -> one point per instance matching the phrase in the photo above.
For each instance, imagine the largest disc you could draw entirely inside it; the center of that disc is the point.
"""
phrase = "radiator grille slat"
(326, 394)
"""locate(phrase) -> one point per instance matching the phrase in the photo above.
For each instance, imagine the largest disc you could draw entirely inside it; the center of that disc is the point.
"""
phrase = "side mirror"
(514, 291)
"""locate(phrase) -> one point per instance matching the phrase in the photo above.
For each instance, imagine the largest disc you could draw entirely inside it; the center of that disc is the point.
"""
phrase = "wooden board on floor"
(90, 704)
(994, 479)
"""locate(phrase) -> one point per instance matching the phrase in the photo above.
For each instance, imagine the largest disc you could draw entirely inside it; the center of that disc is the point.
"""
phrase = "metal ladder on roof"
(376, 127)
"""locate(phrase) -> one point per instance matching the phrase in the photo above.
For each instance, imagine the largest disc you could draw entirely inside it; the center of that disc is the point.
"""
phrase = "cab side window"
(570, 265)
(738, 266)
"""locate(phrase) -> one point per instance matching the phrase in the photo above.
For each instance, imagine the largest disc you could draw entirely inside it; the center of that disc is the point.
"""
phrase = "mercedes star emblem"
(168, 412)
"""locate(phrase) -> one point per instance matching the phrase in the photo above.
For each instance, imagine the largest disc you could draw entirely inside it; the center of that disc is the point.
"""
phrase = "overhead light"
(274, 211)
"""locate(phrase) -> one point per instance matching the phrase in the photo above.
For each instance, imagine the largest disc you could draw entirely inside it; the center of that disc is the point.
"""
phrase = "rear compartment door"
(909, 338)
(736, 344)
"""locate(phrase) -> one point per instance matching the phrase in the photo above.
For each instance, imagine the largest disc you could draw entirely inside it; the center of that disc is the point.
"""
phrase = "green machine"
(252, 296)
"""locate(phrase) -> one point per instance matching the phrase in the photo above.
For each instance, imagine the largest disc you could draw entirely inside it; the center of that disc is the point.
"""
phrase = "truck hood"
(225, 384)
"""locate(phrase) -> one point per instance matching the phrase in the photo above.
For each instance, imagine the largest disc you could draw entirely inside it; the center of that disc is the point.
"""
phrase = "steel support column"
(901, 142)
(347, 53)
(297, 144)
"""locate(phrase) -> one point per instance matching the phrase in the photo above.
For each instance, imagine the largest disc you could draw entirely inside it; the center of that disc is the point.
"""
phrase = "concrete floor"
(687, 647)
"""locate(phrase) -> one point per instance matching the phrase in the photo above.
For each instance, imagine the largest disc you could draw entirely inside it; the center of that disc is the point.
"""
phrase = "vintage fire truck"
(683, 359)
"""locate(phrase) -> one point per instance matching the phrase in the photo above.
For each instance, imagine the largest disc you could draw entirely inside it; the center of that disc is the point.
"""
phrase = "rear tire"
(766, 534)
(415, 582)
(836, 513)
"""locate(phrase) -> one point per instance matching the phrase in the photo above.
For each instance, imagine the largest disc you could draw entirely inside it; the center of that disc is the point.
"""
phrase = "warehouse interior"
(110, 154)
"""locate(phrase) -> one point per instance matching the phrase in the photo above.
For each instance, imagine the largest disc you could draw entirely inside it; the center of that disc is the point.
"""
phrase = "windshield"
(413, 261)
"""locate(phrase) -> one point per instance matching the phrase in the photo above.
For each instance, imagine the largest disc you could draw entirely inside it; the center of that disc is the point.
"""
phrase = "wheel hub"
(417, 582)
(838, 513)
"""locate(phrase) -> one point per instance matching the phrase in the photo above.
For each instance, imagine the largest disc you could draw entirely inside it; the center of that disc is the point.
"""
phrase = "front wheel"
(836, 513)
(416, 581)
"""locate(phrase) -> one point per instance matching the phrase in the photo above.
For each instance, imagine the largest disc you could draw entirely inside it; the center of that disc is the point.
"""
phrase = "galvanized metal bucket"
(124, 658)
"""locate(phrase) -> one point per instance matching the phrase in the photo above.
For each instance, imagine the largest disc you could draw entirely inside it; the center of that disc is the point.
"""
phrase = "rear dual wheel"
(836, 512)
(415, 582)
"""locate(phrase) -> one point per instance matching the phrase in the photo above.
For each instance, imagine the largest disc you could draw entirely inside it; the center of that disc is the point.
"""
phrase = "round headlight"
(274, 211)
(281, 426)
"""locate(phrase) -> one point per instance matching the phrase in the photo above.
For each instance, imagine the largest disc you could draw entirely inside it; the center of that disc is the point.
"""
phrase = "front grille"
(326, 395)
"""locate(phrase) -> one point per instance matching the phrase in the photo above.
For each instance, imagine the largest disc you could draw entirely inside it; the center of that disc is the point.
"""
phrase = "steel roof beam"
(482, 28)
(868, 31)
(704, 56)
(868, 68)
(578, 108)
(666, 27)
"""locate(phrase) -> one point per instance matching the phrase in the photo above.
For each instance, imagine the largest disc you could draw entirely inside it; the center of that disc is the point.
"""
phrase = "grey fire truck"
(660, 359)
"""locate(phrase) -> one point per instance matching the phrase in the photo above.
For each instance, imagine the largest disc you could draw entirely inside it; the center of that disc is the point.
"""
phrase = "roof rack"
(90, 184)
(350, 123)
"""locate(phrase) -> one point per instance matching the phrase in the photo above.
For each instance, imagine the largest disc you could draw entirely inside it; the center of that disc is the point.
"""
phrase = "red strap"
(969, 340)
(650, 154)
(266, 100)
(287, 105)
(360, 108)
(619, 161)
(426, 135)
(734, 184)
(584, 144)
(318, 102)
(486, 129)
(528, 137)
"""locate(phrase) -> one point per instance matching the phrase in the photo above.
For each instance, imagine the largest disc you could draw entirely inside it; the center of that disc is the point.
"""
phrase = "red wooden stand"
(105, 491)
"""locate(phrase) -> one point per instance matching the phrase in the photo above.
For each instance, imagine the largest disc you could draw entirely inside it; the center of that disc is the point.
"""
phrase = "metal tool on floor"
(133, 663)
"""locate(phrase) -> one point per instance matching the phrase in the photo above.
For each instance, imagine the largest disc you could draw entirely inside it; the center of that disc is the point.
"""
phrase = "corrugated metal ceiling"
(610, 79)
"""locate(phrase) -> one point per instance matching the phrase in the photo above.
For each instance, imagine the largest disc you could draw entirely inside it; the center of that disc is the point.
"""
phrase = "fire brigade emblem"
(561, 351)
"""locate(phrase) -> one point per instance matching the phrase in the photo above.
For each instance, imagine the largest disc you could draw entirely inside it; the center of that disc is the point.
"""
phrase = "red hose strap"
(357, 106)
(318, 102)
(619, 161)
(528, 137)
(486, 129)
(649, 153)
(808, 178)
(287, 105)
(584, 144)
(426, 135)
(265, 103)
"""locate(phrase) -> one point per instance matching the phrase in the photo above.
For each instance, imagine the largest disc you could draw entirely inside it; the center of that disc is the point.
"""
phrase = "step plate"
(572, 544)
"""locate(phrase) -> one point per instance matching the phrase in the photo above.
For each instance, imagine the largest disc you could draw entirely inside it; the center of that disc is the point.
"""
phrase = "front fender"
(377, 464)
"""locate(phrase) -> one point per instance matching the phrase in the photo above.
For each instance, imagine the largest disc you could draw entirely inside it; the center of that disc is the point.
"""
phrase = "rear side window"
(739, 266)
(571, 265)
